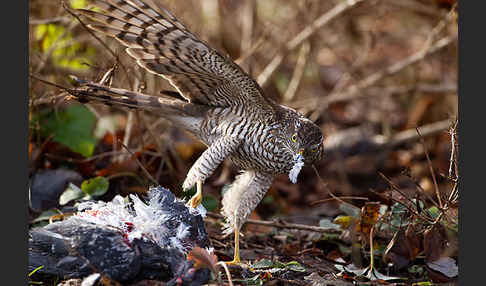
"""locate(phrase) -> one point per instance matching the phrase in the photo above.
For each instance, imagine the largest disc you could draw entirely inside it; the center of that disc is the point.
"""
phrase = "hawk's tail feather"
(182, 112)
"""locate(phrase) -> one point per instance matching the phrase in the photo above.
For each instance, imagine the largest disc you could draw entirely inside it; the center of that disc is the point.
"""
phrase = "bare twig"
(130, 122)
(140, 165)
(397, 189)
(302, 36)
(53, 20)
(117, 58)
(431, 169)
(50, 83)
(283, 224)
(228, 274)
(446, 87)
(247, 31)
(345, 141)
(452, 160)
(298, 72)
(342, 198)
(354, 91)
(328, 190)
(416, 6)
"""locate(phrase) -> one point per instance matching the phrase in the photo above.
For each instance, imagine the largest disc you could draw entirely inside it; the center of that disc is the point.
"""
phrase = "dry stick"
(283, 224)
(416, 6)
(353, 91)
(328, 190)
(48, 21)
(431, 169)
(452, 160)
(247, 31)
(117, 58)
(250, 51)
(298, 72)
(129, 125)
(342, 198)
(158, 143)
(50, 83)
(302, 36)
(395, 187)
(397, 139)
(140, 164)
(383, 91)
(401, 203)
(228, 274)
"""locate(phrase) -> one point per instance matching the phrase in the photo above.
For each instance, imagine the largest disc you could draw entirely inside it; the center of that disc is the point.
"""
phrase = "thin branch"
(50, 83)
(228, 274)
(453, 158)
(446, 87)
(247, 19)
(348, 140)
(396, 188)
(303, 36)
(140, 165)
(431, 169)
(342, 198)
(61, 19)
(354, 91)
(298, 72)
(117, 58)
(283, 224)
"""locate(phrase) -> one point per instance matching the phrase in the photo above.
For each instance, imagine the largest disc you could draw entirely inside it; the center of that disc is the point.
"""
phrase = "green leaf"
(264, 263)
(72, 127)
(71, 193)
(433, 211)
(95, 186)
(327, 223)
(210, 203)
(295, 266)
(44, 216)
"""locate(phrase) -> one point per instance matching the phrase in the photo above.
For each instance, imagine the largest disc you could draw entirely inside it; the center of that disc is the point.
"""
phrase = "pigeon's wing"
(163, 45)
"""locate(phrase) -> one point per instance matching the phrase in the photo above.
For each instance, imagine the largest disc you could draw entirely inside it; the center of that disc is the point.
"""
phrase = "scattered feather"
(299, 163)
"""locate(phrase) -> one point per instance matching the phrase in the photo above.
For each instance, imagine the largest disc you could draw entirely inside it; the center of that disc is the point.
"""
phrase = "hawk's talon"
(235, 262)
(196, 200)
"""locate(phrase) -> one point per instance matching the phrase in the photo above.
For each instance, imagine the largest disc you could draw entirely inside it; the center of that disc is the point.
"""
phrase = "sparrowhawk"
(223, 106)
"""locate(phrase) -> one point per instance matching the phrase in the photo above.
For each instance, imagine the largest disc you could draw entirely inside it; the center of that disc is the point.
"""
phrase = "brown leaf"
(435, 241)
(413, 241)
(370, 213)
(203, 259)
(397, 251)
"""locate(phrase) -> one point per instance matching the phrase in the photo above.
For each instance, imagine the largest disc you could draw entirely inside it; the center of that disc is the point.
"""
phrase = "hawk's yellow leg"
(236, 258)
(196, 200)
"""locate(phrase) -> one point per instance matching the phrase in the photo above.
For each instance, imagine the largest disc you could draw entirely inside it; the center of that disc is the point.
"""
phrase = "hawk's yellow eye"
(294, 137)
(314, 149)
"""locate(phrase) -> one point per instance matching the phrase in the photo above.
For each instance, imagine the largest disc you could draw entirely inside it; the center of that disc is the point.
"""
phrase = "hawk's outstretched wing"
(164, 46)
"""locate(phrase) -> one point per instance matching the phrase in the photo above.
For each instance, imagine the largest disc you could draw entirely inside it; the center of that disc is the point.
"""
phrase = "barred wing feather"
(163, 46)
